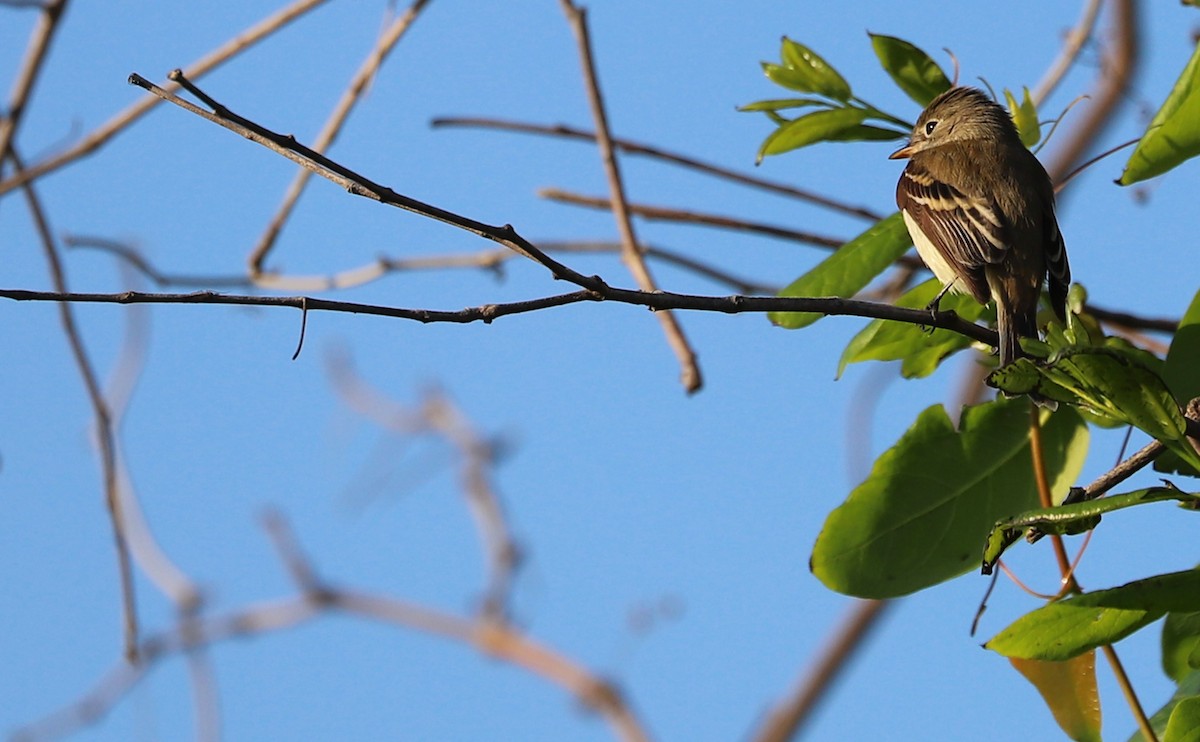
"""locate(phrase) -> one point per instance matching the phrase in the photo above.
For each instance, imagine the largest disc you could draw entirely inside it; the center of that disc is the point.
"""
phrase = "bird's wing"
(968, 232)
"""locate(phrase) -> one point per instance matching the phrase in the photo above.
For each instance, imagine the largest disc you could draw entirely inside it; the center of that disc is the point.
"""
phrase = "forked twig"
(333, 126)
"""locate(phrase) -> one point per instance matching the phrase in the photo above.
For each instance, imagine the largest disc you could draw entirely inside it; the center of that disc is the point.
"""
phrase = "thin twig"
(1075, 41)
(832, 306)
(333, 126)
(1041, 480)
(122, 120)
(688, 216)
(690, 374)
(1131, 698)
(638, 148)
(104, 431)
(785, 720)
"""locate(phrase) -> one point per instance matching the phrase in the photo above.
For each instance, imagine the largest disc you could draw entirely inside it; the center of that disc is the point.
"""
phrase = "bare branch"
(1075, 41)
(488, 313)
(789, 716)
(638, 148)
(630, 255)
(667, 214)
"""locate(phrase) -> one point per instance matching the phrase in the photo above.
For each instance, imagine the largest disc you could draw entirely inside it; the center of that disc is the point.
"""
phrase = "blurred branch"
(105, 436)
(1117, 66)
(1076, 38)
(333, 126)
(439, 416)
(106, 131)
(786, 719)
(1132, 321)
(134, 258)
(317, 598)
(637, 148)
(31, 67)
(687, 216)
(690, 374)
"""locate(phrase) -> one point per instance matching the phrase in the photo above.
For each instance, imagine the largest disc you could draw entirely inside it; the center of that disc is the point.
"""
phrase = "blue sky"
(624, 493)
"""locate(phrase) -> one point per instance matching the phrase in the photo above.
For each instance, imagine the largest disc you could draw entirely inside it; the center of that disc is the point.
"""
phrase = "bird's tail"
(1012, 326)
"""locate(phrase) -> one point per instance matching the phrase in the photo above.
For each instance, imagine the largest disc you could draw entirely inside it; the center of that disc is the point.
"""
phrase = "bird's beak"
(903, 153)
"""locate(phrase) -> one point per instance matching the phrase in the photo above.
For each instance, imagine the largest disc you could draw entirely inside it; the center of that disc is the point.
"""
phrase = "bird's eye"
(929, 127)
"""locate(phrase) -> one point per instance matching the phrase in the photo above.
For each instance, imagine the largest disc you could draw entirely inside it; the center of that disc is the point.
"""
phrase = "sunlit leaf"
(780, 104)
(1174, 134)
(1066, 520)
(1069, 690)
(1189, 687)
(809, 73)
(1070, 627)
(1182, 370)
(867, 133)
(1184, 725)
(920, 350)
(912, 69)
(1115, 381)
(810, 128)
(1181, 645)
(849, 269)
(922, 513)
(1024, 115)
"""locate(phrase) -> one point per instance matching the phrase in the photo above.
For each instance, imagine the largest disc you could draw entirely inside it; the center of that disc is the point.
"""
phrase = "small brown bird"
(980, 210)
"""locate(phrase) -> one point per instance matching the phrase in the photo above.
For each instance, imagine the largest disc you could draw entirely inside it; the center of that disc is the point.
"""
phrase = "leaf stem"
(1130, 696)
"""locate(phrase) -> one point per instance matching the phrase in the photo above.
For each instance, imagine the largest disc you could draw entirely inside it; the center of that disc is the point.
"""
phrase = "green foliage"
(1174, 134)
(1117, 382)
(842, 117)
(849, 269)
(922, 514)
(1076, 518)
(910, 68)
(1181, 645)
(1070, 627)
(939, 496)
(1188, 688)
(1024, 115)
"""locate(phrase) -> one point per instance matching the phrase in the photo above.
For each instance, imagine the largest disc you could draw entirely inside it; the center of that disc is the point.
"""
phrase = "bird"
(980, 209)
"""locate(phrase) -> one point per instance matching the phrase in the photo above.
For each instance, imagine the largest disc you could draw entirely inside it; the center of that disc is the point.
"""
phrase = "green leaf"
(920, 350)
(810, 128)
(867, 133)
(912, 69)
(849, 269)
(779, 104)
(807, 72)
(1184, 725)
(1070, 627)
(1024, 115)
(1189, 687)
(1174, 134)
(1113, 381)
(1183, 357)
(920, 516)
(1069, 690)
(1068, 520)
(1181, 645)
